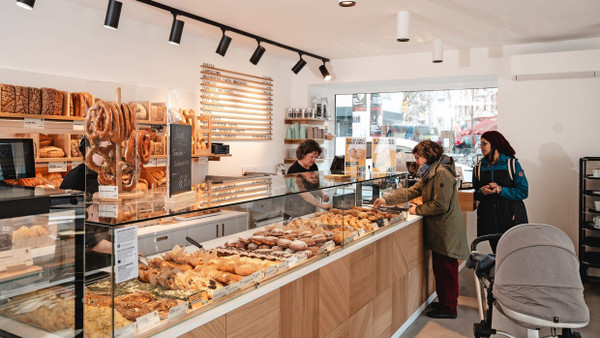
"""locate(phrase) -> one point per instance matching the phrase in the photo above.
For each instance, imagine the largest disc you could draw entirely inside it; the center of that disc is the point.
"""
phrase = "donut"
(319, 238)
(298, 245)
(305, 234)
(277, 232)
(283, 242)
(270, 240)
(308, 241)
(244, 240)
(252, 246)
(258, 239)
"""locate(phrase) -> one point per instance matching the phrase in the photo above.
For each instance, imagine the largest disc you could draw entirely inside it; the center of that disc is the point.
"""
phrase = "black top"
(297, 168)
(75, 179)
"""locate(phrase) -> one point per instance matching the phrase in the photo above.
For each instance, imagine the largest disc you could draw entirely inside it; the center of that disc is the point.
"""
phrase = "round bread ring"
(103, 122)
(145, 147)
(132, 120)
(126, 120)
(106, 178)
(89, 160)
(117, 123)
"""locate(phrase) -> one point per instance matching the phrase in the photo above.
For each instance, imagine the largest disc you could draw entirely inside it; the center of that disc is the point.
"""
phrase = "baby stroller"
(535, 282)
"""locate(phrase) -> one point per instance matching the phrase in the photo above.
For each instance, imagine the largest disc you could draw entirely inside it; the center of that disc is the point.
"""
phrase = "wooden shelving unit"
(305, 121)
(300, 140)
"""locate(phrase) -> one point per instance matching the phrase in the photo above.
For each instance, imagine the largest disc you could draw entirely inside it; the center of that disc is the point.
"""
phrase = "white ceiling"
(369, 28)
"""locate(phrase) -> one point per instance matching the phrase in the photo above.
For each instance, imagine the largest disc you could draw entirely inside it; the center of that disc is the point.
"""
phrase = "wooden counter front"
(370, 292)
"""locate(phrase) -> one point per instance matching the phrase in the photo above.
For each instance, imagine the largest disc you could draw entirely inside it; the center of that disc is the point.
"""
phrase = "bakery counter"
(374, 284)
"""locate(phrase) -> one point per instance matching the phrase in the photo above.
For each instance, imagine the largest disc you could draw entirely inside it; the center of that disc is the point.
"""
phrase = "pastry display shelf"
(219, 307)
(44, 117)
(305, 121)
(59, 159)
(300, 140)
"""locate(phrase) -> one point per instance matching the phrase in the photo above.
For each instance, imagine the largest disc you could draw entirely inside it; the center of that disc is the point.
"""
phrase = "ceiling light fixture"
(113, 13)
(438, 51)
(258, 53)
(346, 3)
(403, 26)
(299, 65)
(223, 44)
(324, 72)
(27, 4)
(176, 31)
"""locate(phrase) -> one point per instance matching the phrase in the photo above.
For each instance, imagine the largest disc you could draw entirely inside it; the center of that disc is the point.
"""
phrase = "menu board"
(356, 154)
(180, 158)
(384, 154)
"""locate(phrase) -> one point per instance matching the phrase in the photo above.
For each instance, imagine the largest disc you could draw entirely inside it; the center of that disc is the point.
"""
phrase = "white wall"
(64, 45)
(550, 123)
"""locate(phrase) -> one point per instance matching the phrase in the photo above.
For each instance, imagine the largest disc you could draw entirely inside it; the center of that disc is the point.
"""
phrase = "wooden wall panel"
(382, 314)
(341, 331)
(383, 264)
(362, 270)
(412, 244)
(334, 295)
(216, 328)
(398, 259)
(400, 313)
(259, 318)
(300, 307)
(361, 323)
(417, 286)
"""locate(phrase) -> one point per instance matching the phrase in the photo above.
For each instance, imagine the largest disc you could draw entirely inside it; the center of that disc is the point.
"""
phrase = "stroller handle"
(483, 239)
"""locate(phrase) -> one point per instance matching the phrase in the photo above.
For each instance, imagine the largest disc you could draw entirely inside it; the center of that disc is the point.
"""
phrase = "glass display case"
(41, 262)
(151, 265)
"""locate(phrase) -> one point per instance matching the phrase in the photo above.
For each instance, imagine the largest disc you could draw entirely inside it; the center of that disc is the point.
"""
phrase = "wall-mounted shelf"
(305, 121)
(300, 140)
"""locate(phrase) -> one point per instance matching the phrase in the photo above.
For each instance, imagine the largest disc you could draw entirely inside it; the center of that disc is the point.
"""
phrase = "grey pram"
(535, 282)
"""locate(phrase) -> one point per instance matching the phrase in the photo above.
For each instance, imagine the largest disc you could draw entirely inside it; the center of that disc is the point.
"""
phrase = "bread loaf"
(45, 140)
(71, 108)
(7, 98)
(35, 101)
(81, 102)
(21, 100)
(75, 148)
(139, 110)
(51, 152)
(52, 101)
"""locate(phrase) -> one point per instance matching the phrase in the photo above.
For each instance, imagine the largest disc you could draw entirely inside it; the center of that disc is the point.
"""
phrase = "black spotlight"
(27, 4)
(223, 44)
(258, 53)
(113, 14)
(176, 31)
(346, 3)
(324, 72)
(299, 65)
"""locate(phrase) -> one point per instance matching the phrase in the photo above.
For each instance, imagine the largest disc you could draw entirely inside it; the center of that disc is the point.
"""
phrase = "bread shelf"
(44, 117)
(59, 159)
(305, 121)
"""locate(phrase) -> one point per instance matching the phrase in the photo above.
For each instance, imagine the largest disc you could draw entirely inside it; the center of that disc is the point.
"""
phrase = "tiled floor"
(425, 327)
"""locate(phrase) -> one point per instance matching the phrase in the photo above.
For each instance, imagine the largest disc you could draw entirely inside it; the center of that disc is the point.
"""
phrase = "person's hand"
(413, 209)
(495, 188)
(378, 202)
(326, 206)
(487, 190)
(325, 197)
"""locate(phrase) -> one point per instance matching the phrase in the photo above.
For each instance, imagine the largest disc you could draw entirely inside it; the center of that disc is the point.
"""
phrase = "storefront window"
(453, 118)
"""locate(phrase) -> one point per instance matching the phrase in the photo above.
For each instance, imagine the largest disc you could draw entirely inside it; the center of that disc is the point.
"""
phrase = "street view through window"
(454, 118)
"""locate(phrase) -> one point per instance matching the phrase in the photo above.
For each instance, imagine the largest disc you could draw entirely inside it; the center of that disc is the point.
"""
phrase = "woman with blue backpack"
(500, 187)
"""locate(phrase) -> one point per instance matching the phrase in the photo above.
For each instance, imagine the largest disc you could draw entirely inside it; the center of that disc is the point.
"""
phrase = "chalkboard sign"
(180, 158)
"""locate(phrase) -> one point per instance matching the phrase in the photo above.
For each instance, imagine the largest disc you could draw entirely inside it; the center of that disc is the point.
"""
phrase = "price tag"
(283, 266)
(259, 275)
(125, 254)
(219, 293)
(361, 232)
(270, 271)
(57, 167)
(349, 238)
(161, 162)
(327, 246)
(292, 261)
(233, 288)
(375, 226)
(247, 281)
(108, 191)
(15, 258)
(301, 256)
(125, 331)
(108, 210)
(77, 125)
(201, 297)
(30, 123)
(75, 164)
(151, 163)
(147, 321)
(178, 310)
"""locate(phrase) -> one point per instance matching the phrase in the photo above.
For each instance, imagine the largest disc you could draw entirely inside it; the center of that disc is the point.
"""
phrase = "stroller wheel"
(480, 331)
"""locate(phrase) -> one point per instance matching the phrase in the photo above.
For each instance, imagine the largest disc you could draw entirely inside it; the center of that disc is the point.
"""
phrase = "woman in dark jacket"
(443, 226)
(500, 187)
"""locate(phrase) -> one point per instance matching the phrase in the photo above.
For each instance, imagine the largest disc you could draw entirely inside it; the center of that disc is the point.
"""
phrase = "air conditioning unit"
(560, 65)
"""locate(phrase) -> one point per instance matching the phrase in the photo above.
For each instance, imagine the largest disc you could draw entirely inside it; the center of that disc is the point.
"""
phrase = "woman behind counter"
(307, 179)
(443, 226)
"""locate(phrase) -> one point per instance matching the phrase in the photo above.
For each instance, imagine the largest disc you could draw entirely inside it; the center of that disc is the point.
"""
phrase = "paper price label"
(126, 331)
(108, 210)
(30, 123)
(301, 256)
(361, 232)
(259, 275)
(270, 271)
(219, 293)
(57, 167)
(108, 191)
(233, 288)
(247, 281)
(16, 257)
(161, 162)
(375, 226)
(327, 246)
(151, 163)
(78, 125)
(292, 261)
(283, 266)
(201, 297)
(147, 321)
(178, 310)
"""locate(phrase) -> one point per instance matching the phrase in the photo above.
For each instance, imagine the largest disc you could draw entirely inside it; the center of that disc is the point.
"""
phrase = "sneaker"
(436, 305)
(440, 314)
